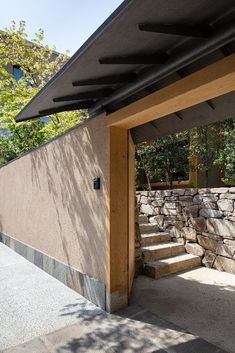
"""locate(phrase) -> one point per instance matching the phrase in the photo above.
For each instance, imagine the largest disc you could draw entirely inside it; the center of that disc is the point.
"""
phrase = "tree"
(213, 146)
(201, 149)
(165, 159)
(227, 153)
(205, 145)
(38, 64)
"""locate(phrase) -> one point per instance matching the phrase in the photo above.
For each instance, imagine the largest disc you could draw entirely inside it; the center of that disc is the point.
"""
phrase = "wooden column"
(117, 247)
(121, 244)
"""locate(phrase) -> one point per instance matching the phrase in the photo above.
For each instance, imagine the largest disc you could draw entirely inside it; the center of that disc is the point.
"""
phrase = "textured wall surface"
(48, 201)
(201, 219)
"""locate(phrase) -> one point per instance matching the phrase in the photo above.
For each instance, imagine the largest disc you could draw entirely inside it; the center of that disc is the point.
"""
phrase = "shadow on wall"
(62, 173)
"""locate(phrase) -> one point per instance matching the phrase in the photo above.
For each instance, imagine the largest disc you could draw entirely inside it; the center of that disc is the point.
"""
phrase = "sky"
(66, 23)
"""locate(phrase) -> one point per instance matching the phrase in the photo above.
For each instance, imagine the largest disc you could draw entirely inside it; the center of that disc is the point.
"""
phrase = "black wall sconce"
(96, 184)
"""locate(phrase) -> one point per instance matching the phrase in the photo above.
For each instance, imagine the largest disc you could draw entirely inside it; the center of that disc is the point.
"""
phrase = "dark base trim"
(88, 287)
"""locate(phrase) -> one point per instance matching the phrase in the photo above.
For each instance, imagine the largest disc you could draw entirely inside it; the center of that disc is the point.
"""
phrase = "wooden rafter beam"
(65, 108)
(179, 30)
(148, 59)
(106, 80)
(213, 81)
(179, 116)
(84, 95)
(210, 103)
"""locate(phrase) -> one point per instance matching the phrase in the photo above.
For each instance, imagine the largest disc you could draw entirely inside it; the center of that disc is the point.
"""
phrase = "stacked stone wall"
(138, 252)
(201, 219)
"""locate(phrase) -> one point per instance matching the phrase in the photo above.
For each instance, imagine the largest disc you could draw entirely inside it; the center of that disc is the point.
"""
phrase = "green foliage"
(170, 158)
(213, 145)
(38, 63)
(23, 138)
(205, 145)
(227, 153)
(165, 159)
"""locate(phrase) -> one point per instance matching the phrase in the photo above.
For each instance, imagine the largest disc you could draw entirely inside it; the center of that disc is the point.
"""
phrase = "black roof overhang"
(216, 110)
(142, 47)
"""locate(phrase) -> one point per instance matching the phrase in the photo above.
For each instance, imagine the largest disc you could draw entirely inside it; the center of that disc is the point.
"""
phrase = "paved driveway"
(38, 314)
(32, 303)
(202, 301)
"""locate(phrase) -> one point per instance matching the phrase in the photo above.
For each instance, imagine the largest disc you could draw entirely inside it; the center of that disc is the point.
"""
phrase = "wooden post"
(117, 247)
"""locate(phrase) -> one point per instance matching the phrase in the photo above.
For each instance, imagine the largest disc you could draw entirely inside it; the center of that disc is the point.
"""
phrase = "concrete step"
(148, 228)
(162, 250)
(142, 219)
(165, 267)
(153, 238)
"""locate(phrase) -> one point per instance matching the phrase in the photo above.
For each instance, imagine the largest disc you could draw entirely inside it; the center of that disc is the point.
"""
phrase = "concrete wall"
(47, 200)
(201, 219)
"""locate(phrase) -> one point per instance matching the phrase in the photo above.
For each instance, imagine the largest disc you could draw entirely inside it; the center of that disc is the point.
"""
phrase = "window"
(44, 119)
(4, 132)
(17, 72)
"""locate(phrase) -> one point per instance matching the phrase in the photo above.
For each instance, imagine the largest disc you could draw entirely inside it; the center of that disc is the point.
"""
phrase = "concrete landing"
(201, 301)
(103, 333)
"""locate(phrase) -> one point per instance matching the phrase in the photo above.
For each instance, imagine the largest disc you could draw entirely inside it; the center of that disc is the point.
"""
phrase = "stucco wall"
(47, 199)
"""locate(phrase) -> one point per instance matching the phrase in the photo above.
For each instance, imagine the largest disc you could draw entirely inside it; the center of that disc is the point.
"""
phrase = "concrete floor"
(32, 302)
(201, 301)
(38, 314)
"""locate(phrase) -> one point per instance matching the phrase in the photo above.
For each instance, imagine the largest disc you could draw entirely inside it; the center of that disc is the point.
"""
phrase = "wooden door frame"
(213, 81)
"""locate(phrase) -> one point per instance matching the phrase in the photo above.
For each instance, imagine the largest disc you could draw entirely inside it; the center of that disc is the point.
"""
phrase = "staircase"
(162, 256)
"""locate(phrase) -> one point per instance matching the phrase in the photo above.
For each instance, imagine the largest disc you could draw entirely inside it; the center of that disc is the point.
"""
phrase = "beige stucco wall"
(47, 198)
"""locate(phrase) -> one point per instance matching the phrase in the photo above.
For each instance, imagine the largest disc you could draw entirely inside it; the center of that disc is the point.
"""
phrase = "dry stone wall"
(201, 219)
(138, 252)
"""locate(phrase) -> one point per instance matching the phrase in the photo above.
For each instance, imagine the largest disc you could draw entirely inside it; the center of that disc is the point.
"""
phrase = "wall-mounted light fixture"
(96, 184)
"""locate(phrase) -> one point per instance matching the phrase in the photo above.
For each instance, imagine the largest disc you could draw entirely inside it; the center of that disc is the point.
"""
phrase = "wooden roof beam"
(179, 30)
(107, 80)
(65, 108)
(138, 59)
(212, 81)
(84, 95)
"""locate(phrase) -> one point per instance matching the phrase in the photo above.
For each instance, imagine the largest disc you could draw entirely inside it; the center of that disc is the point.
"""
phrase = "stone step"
(148, 228)
(165, 267)
(162, 250)
(153, 238)
(142, 219)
